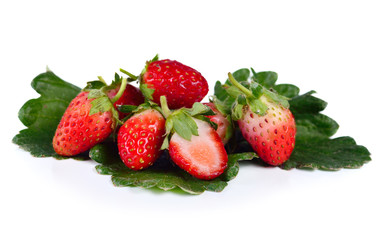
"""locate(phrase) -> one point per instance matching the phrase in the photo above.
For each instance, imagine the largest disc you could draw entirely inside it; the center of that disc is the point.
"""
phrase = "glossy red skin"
(271, 136)
(77, 132)
(182, 85)
(221, 122)
(131, 96)
(179, 157)
(140, 139)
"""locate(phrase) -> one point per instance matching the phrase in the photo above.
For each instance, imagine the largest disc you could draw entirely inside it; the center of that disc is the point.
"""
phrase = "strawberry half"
(204, 156)
(194, 145)
(140, 139)
(265, 121)
(79, 130)
(182, 85)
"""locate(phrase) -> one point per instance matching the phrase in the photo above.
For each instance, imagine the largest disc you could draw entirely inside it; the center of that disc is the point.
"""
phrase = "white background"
(328, 46)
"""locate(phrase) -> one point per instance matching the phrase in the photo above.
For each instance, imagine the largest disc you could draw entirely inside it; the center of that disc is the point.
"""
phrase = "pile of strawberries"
(165, 113)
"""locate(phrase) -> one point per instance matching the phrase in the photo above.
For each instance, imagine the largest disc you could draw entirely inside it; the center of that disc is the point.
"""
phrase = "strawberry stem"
(129, 74)
(165, 110)
(102, 80)
(121, 90)
(238, 85)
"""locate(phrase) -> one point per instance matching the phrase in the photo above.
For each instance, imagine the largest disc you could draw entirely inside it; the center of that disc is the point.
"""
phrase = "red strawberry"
(204, 156)
(271, 129)
(182, 85)
(272, 136)
(222, 122)
(78, 131)
(131, 96)
(140, 139)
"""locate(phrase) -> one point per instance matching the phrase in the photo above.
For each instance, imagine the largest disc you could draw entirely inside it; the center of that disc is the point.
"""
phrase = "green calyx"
(181, 121)
(102, 103)
(147, 92)
(251, 94)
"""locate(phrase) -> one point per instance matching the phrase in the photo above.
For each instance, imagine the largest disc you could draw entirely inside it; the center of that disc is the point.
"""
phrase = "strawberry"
(140, 139)
(194, 145)
(79, 130)
(131, 96)
(272, 135)
(204, 156)
(223, 124)
(265, 122)
(182, 85)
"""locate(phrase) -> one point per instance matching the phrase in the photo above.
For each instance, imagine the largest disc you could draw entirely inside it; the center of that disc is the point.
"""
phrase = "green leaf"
(200, 109)
(220, 91)
(147, 92)
(101, 105)
(315, 125)
(184, 125)
(233, 165)
(258, 106)
(266, 79)
(313, 147)
(127, 108)
(42, 115)
(105, 153)
(162, 175)
(234, 92)
(94, 85)
(242, 75)
(287, 90)
(277, 98)
(237, 111)
(224, 106)
(307, 103)
(327, 154)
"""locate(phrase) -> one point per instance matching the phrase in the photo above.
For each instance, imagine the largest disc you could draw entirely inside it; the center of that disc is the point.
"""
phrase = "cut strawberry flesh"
(204, 156)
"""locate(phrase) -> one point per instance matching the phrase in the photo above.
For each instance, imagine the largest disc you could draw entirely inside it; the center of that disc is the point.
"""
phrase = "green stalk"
(238, 85)
(129, 74)
(102, 80)
(121, 90)
(165, 110)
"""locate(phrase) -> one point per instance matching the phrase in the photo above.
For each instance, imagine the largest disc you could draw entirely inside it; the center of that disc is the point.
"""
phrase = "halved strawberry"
(204, 156)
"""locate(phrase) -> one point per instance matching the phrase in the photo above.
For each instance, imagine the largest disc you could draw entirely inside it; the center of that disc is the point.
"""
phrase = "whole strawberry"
(265, 122)
(272, 135)
(79, 130)
(223, 124)
(182, 85)
(140, 139)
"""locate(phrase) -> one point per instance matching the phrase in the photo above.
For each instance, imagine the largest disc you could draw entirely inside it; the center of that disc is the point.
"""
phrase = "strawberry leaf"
(126, 108)
(165, 176)
(233, 165)
(42, 115)
(94, 85)
(266, 79)
(287, 90)
(327, 154)
(147, 92)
